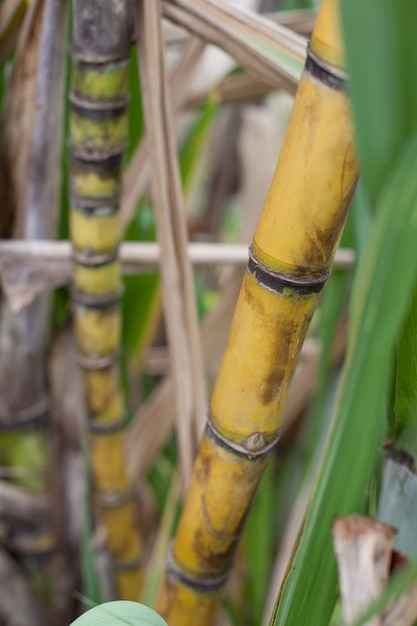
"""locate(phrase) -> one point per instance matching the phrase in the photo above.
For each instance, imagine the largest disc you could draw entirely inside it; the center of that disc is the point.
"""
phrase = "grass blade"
(381, 55)
(384, 281)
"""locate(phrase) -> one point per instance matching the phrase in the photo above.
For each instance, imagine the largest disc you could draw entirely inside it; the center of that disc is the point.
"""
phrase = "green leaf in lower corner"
(384, 281)
(120, 613)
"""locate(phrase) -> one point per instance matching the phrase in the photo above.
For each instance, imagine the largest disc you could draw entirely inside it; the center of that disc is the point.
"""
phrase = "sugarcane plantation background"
(208, 325)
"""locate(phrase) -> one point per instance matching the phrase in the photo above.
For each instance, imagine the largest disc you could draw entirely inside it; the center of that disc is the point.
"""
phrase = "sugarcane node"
(108, 167)
(208, 584)
(89, 258)
(96, 362)
(327, 74)
(93, 155)
(81, 56)
(113, 500)
(98, 110)
(98, 64)
(106, 428)
(101, 301)
(254, 447)
(105, 167)
(80, 309)
(93, 183)
(281, 283)
(94, 207)
(27, 419)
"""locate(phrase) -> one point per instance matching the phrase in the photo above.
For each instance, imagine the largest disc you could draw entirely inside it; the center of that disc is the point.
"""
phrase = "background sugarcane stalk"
(33, 107)
(98, 136)
(290, 260)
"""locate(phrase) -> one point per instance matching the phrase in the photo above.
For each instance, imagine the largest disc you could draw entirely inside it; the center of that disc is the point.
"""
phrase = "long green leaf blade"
(381, 54)
(385, 278)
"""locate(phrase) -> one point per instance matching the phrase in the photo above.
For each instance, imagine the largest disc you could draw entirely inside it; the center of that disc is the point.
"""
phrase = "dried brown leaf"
(29, 267)
(170, 216)
(270, 51)
(363, 549)
(136, 176)
(32, 116)
(12, 13)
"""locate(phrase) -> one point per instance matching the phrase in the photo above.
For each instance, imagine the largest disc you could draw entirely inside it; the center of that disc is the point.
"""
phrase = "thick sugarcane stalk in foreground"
(289, 263)
(98, 135)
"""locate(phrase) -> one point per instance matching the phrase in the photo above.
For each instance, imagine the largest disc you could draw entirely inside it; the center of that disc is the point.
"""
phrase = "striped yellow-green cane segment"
(98, 135)
(290, 260)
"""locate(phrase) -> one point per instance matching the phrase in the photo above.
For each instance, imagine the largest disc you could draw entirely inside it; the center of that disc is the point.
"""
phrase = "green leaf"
(141, 296)
(193, 147)
(169, 516)
(91, 583)
(258, 541)
(381, 54)
(384, 280)
(136, 123)
(405, 405)
(120, 613)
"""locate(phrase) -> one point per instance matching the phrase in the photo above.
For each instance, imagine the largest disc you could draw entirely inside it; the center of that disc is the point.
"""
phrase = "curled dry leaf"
(363, 549)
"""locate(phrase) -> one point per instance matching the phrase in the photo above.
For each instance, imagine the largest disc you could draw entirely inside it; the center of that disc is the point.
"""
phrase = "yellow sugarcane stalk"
(98, 137)
(290, 260)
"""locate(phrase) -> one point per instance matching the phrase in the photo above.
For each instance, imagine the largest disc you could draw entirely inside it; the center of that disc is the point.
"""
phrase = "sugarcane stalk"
(98, 136)
(34, 95)
(290, 260)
